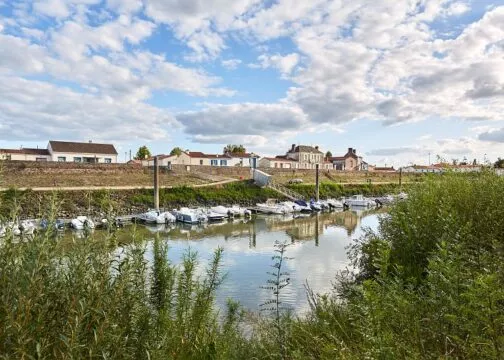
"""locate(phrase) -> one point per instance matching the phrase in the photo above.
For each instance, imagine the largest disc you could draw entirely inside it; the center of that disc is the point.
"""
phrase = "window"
(77, 159)
(223, 163)
(201, 162)
(108, 161)
(214, 162)
(61, 158)
(276, 164)
(40, 159)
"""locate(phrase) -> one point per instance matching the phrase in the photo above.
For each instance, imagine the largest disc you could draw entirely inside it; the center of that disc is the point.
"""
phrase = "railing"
(285, 191)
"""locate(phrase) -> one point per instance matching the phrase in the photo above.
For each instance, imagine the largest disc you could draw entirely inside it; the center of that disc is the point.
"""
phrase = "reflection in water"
(317, 245)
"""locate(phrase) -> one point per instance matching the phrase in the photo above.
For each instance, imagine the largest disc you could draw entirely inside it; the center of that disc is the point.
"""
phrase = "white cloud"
(284, 64)
(125, 6)
(495, 135)
(38, 110)
(231, 64)
(244, 119)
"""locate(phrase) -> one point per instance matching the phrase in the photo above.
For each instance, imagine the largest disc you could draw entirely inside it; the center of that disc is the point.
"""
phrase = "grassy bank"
(429, 285)
(70, 203)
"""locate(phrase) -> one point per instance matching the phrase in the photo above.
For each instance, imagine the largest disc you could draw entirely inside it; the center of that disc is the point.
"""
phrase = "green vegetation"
(143, 153)
(234, 149)
(176, 151)
(428, 285)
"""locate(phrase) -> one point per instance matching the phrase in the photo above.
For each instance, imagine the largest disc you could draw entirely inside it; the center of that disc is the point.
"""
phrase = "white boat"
(190, 216)
(82, 222)
(222, 210)
(290, 207)
(316, 205)
(11, 227)
(270, 209)
(384, 200)
(334, 204)
(402, 196)
(157, 217)
(238, 211)
(359, 200)
(304, 207)
(27, 227)
(215, 216)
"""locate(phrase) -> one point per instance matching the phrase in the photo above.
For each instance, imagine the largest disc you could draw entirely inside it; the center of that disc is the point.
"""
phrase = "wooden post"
(156, 183)
(317, 185)
(400, 178)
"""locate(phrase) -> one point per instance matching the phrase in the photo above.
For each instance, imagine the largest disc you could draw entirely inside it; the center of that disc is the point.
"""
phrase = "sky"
(402, 81)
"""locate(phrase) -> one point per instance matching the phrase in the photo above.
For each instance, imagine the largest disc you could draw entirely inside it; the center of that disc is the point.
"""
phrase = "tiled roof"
(280, 158)
(26, 151)
(306, 148)
(85, 148)
(337, 158)
(198, 154)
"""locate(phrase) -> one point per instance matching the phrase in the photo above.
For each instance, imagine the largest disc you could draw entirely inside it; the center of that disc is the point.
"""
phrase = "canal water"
(318, 248)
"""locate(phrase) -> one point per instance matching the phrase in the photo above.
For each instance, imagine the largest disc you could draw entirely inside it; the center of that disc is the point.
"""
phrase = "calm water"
(318, 248)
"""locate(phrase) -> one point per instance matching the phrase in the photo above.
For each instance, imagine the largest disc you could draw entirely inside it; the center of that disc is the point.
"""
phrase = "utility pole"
(130, 154)
(400, 178)
(156, 183)
(317, 185)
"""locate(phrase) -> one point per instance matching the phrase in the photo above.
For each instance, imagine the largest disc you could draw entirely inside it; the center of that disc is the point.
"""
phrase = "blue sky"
(398, 80)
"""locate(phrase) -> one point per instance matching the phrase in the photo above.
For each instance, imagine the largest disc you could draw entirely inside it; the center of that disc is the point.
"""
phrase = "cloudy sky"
(396, 79)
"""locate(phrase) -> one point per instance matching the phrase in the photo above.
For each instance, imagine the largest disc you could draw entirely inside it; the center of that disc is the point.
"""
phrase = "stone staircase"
(265, 180)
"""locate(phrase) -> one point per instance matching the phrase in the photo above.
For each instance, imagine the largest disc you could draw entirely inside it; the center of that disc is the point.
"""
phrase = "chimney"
(293, 147)
(354, 151)
(316, 147)
(350, 150)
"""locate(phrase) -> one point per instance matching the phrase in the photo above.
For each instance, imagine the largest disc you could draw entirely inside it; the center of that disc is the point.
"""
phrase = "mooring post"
(317, 185)
(400, 178)
(156, 183)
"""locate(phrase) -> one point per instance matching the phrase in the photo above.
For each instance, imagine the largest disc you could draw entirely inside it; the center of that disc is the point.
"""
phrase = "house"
(306, 156)
(243, 159)
(279, 162)
(90, 153)
(458, 168)
(421, 169)
(25, 154)
(63, 151)
(349, 162)
(199, 158)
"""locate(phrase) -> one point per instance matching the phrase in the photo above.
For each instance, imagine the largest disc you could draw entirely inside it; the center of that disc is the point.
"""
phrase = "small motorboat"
(316, 205)
(82, 222)
(304, 207)
(238, 211)
(359, 201)
(334, 204)
(222, 210)
(266, 208)
(215, 216)
(27, 227)
(190, 216)
(158, 217)
(58, 224)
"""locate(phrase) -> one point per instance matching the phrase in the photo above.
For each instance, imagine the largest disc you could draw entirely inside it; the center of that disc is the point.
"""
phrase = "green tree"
(328, 154)
(143, 153)
(235, 149)
(499, 164)
(176, 151)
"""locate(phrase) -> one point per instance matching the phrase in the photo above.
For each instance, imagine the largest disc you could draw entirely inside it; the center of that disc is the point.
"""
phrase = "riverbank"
(30, 203)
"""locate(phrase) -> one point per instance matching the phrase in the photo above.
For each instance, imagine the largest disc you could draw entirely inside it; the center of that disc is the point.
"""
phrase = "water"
(318, 248)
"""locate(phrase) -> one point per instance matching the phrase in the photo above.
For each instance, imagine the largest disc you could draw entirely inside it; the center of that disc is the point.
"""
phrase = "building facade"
(307, 157)
(63, 151)
(349, 162)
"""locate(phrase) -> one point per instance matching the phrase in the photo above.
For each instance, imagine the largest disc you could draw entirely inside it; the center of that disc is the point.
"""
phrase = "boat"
(334, 204)
(238, 211)
(190, 216)
(58, 224)
(402, 196)
(227, 212)
(82, 222)
(157, 217)
(267, 208)
(290, 207)
(27, 227)
(215, 216)
(10, 227)
(304, 207)
(315, 205)
(359, 200)
(384, 200)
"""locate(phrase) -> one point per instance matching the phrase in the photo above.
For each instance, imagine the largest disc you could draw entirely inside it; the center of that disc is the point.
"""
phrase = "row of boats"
(203, 215)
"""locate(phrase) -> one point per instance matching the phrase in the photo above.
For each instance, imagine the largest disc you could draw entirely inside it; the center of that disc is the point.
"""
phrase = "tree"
(143, 153)
(328, 154)
(235, 149)
(499, 164)
(176, 151)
